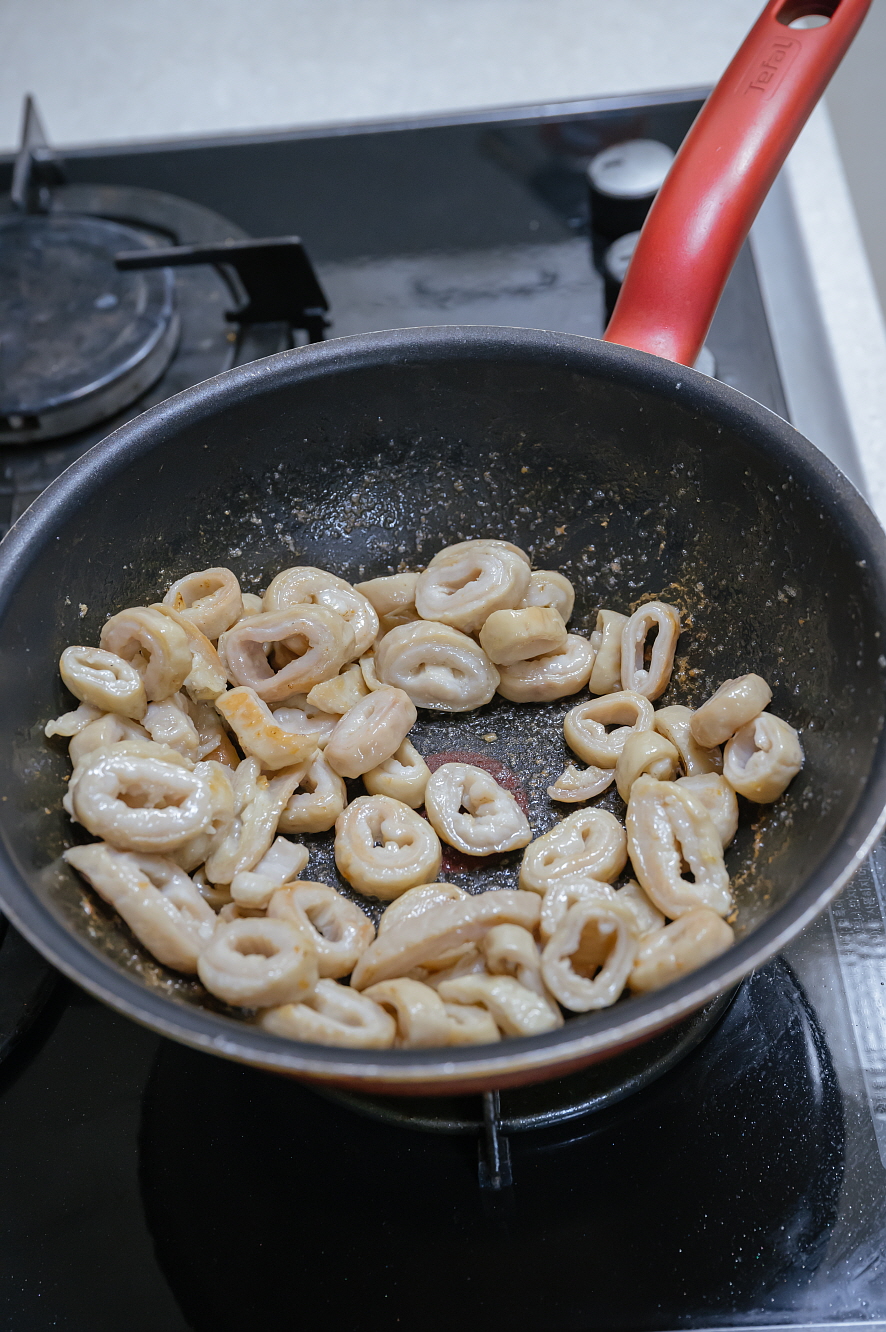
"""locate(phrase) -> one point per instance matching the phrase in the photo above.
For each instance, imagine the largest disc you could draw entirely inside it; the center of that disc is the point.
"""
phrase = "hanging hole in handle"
(807, 13)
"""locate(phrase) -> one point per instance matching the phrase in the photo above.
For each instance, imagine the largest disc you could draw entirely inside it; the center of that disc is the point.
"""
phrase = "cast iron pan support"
(37, 168)
(276, 274)
(495, 1154)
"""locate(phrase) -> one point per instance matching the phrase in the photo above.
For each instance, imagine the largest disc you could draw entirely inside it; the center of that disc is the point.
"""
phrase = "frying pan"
(610, 460)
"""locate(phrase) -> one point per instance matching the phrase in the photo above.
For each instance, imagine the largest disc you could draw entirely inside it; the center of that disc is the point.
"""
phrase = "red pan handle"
(722, 174)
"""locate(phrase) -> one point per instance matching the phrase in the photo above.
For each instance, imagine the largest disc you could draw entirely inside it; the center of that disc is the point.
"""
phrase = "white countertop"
(111, 70)
(116, 71)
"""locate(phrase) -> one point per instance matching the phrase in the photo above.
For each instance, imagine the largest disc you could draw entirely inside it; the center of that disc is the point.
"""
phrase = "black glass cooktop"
(146, 1186)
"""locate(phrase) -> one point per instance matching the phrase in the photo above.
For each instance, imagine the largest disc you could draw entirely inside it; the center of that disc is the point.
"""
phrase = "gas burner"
(674, 1209)
(206, 343)
(79, 340)
(548, 1103)
(94, 325)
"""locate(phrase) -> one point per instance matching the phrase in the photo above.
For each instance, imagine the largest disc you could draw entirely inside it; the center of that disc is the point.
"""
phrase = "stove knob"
(615, 265)
(622, 182)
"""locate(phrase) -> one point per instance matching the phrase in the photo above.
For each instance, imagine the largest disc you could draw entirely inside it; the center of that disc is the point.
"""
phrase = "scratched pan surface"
(364, 456)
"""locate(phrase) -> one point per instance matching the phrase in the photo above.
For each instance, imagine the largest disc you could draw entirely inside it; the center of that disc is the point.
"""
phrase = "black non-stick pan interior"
(634, 477)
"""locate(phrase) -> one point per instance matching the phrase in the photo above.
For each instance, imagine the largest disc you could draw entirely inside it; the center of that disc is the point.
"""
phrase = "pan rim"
(583, 1035)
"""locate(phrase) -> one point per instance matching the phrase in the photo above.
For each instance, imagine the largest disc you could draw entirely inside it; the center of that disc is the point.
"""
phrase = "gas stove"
(730, 1175)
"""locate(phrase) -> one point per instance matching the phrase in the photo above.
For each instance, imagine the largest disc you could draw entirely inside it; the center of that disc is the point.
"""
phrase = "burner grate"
(546, 1104)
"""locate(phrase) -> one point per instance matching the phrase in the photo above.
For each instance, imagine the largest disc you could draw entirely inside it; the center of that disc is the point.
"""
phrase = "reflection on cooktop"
(685, 1205)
